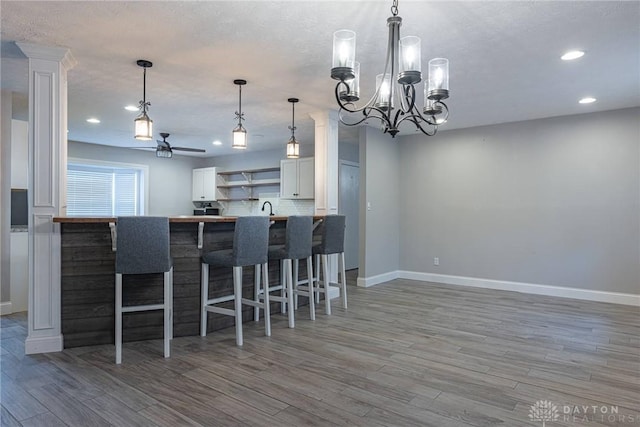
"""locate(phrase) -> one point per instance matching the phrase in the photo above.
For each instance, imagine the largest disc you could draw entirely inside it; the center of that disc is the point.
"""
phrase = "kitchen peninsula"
(88, 274)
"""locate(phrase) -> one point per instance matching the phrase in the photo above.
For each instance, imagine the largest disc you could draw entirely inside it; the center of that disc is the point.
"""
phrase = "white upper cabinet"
(204, 185)
(297, 178)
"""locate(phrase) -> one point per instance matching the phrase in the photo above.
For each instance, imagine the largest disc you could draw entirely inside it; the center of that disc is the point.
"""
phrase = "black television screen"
(19, 208)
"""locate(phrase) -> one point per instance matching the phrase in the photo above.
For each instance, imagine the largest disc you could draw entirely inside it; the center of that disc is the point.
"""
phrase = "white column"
(326, 162)
(48, 68)
(326, 175)
(5, 202)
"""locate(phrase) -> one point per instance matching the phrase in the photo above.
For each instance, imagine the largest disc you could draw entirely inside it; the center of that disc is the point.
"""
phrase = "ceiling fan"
(164, 149)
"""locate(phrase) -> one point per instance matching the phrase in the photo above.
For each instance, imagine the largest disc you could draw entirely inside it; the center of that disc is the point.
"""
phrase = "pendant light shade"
(293, 147)
(143, 125)
(239, 133)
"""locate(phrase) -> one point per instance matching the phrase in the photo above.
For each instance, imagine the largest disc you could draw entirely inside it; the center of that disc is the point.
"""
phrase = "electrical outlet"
(436, 261)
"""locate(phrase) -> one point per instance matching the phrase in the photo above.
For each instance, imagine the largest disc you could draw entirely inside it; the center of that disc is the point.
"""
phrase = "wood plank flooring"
(405, 353)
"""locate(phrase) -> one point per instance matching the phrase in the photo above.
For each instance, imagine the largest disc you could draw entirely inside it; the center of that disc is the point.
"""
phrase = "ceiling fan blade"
(151, 148)
(195, 150)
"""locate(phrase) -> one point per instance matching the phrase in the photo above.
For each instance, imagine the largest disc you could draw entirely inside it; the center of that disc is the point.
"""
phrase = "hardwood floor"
(405, 353)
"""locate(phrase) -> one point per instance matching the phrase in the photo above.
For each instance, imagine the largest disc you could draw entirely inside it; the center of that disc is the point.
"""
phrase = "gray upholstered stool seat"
(332, 233)
(298, 240)
(250, 246)
(143, 247)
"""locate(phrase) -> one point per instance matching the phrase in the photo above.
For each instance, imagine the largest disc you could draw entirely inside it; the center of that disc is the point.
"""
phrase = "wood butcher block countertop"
(179, 218)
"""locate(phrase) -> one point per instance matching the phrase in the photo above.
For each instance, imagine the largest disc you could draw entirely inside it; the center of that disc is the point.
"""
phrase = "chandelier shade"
(293, 147)
(394, 101)
(239, 133)
(352, 93)
(344, 52)
(143, 125)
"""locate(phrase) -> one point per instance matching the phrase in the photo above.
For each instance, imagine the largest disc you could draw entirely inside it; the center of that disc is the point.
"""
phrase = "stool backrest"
(299, 236)
(142, 245)
(251, 240)
(332, 233)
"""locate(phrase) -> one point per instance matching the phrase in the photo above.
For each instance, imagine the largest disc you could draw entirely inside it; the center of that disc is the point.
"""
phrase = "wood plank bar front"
(88, 280)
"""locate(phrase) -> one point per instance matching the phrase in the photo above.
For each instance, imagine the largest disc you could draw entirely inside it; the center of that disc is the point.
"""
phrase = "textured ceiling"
(504, 60)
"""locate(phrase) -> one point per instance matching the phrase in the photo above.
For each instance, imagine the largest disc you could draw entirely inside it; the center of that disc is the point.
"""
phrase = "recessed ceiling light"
(216, 142)
(571, 55)
(587, 100)
(93, 120)
(131, 108)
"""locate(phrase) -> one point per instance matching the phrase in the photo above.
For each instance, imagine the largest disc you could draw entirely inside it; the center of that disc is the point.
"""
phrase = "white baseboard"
(365, 282)
(35, 345)
(334, 292)
(527, 288)
(5, 308)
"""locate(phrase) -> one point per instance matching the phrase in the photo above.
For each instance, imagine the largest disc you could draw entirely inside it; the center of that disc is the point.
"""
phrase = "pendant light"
(143, 124)
(239, 133)
(293, 147)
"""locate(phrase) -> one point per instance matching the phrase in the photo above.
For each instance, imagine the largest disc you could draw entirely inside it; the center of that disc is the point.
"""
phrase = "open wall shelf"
(241, 185)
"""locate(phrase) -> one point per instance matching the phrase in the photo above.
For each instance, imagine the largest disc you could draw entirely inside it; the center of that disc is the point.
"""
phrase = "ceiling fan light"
(167, 154)
(239, 138)
(143, 127)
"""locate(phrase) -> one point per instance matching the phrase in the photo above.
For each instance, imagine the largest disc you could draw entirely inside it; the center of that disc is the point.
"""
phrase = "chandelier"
(143, 124)
(394, 100)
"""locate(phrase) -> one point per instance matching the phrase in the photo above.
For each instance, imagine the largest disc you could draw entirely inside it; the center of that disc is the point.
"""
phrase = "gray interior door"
(349, 181)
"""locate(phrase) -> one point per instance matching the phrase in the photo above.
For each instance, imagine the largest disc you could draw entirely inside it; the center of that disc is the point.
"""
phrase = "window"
(105, 189)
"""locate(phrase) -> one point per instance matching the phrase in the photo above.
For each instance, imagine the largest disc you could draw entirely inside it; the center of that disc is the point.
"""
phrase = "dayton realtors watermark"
(545, 411)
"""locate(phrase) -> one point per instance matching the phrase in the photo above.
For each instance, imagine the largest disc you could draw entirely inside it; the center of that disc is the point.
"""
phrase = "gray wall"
(169, 179)
(552, 202)
(348, 151)
(379, 186)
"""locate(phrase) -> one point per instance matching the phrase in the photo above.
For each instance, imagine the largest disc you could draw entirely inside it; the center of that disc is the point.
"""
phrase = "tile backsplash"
(283, 207)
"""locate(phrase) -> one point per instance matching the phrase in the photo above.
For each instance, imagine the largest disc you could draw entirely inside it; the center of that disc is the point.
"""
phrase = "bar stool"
(332, 233)
(250, 247)
(298, 240)
(143, 247)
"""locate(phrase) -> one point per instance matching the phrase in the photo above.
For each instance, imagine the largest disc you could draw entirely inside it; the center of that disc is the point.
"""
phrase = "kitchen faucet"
(270, 208)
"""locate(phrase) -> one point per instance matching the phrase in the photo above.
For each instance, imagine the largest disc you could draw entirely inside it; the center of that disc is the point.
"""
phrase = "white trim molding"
(527, 288)
(5, 308)
(503, 285)
(365, 282)
(48, 344)
(47, 170)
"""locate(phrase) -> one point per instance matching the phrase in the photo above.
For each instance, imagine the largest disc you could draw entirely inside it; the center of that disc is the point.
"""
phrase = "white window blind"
(104, 191)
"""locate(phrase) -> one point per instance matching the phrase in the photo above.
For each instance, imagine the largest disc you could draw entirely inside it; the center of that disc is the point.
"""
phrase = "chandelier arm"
(383, 117)
(367, 113)
(350, 106)
(414, 119)
(346, 123)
